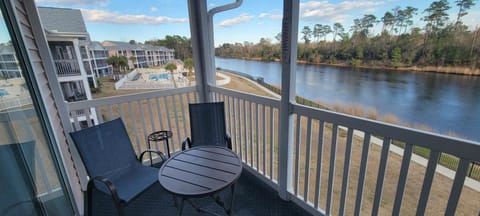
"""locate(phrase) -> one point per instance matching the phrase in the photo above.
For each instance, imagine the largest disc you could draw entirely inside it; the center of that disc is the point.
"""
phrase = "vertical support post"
(289, 59)
(83, 72)
(199, 31)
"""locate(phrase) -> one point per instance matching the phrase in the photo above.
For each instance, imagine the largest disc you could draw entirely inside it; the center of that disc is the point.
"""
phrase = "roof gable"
(63, 20)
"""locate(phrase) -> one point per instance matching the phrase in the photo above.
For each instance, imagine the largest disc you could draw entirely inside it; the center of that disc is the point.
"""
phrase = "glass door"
(30, 180)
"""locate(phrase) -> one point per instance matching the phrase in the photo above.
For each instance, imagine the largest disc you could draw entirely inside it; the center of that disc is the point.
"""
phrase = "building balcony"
(67, 67)
(341, 164)
(100, 54)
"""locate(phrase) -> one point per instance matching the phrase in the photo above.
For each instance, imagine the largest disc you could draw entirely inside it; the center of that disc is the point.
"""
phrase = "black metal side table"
(156, 136)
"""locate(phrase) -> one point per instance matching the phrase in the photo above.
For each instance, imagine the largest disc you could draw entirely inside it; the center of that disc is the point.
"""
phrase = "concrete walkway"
(469, 182)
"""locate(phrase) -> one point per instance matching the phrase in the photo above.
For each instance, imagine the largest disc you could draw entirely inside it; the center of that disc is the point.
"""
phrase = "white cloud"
(104, 16)
(237, 20)
(75, 2)
(369, 10)
(153, 9)
(327, 10)
(269, 15)
(341, 18)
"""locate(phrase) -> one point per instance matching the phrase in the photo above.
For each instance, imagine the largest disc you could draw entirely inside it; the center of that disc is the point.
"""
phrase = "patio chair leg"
(120, 210)
(89, 202)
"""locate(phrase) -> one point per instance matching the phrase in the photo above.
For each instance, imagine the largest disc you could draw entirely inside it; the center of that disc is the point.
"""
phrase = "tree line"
(181, 44)
(441, 41)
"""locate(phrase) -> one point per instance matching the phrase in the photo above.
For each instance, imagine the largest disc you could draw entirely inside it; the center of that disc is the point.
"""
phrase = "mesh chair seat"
(109, 158)
(128, 187)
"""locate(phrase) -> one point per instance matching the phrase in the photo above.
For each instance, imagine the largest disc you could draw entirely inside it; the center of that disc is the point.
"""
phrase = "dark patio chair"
(112, 165)
(207, 126)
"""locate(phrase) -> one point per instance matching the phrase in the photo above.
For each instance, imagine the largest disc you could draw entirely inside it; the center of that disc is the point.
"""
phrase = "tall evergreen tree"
(307, 34)
(437, 16)
(317, 29)
(388, 21)
(337, 30)
(326, 30)
(463, 6)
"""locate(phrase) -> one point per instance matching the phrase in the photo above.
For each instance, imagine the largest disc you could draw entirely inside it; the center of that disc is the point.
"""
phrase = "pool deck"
(13, 87)
(143, 82)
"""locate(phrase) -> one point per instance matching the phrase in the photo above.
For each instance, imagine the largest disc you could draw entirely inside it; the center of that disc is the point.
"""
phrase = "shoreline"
(463, 71)
(350, 109)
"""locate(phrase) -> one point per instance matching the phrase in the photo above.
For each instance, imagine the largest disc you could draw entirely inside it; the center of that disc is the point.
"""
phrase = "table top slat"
(213, 155)
(193, 178)
(200, 171)
(211, 163)
(218, 151)
(184, 186)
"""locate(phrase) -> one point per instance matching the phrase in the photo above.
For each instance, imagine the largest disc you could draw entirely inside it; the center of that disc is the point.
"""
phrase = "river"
(446, 103)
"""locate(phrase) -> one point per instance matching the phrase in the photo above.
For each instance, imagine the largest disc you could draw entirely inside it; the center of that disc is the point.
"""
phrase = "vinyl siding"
(34, 41)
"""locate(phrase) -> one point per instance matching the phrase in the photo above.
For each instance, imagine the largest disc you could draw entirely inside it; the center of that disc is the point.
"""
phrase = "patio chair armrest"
(159, 153)
(186, 142)
(110, 186)
(228, 139)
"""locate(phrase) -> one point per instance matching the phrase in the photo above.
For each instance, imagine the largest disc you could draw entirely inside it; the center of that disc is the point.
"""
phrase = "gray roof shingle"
(62, 20)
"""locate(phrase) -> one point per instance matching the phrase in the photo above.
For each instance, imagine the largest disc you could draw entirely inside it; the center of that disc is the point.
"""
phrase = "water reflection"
(446, 103)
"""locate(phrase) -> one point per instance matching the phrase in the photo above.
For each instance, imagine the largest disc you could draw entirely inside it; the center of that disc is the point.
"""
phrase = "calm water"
(446, 103)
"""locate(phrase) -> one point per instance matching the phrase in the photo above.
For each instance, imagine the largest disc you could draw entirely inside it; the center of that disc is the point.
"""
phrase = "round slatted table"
(200, 171)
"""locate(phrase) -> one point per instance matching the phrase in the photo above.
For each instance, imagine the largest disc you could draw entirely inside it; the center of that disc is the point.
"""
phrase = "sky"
(142, 20)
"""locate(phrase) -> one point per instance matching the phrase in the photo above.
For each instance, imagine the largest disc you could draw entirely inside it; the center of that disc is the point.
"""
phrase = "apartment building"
(9, 67)
(140, 55)
(95, 55)
(158, 55)
(66, 35)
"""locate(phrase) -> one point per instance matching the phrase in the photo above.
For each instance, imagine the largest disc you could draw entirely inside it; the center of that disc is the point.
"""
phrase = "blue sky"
(148, 19)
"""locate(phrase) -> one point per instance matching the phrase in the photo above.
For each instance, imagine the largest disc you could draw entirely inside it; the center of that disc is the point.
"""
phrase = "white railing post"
(289, 59)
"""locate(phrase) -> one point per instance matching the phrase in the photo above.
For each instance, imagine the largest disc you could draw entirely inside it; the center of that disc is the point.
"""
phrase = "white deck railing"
(21, 126)
(10, 103)
(342, 164)
(67, 67)
(143, 114)
(340, 161)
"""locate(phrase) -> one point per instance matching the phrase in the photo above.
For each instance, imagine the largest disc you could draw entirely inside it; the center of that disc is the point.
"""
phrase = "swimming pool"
(3, 92)
(158, 76)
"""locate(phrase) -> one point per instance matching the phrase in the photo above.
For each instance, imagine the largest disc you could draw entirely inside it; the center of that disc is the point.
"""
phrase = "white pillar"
(197, 10)
(289, 64)
(83, 72)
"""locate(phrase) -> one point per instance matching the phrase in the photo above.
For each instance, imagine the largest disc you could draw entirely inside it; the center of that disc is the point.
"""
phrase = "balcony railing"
(341, 164)
(100, 54)
(67, 67)
(26, 121)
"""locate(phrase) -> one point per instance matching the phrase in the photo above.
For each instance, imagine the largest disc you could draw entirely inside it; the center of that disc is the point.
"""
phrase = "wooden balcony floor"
(252, 197)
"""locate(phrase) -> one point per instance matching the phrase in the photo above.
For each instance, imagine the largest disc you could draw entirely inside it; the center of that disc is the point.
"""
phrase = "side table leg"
(181, 206)
(230, 210)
